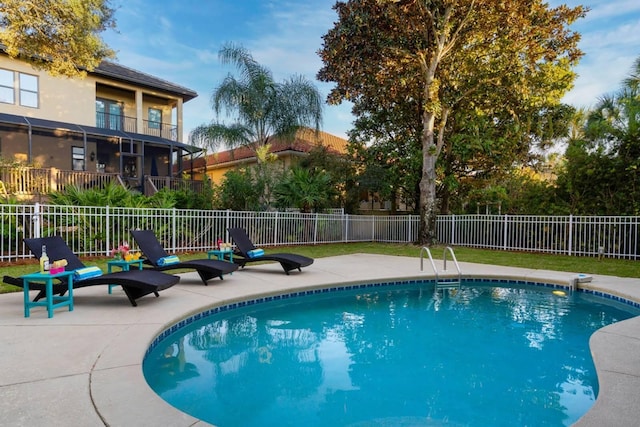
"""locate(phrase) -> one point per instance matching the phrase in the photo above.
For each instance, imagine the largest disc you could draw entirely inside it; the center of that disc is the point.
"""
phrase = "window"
(26, 86)
(28, 90)
(6, 87)
(155, 118)
(109, 114)
(77, 158)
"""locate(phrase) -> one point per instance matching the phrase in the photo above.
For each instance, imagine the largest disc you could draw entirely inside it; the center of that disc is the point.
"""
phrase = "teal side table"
(52, 301)
(221, 254)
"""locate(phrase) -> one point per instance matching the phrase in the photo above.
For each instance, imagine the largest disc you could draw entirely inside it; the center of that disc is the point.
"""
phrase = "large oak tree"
(440, 54)
(59, 36)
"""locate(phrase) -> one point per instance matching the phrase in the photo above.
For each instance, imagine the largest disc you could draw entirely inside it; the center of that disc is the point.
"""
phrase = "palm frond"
(258, 106)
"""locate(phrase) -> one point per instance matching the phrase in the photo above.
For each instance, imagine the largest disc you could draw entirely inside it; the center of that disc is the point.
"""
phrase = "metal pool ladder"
(442, 284)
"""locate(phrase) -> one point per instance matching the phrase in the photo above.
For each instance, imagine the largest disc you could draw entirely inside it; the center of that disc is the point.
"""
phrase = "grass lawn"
(611, 267)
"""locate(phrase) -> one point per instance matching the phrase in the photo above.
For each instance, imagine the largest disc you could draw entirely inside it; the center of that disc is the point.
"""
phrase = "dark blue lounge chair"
(155, 254)
(244, 246)
(135, 283)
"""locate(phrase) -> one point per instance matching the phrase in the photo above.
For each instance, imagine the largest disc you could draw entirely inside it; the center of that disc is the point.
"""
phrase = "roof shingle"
(119, 72)
(305, 140)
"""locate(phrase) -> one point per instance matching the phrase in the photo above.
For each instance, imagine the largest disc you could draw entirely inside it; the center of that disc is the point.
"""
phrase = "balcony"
(130, 124)
(33, 184)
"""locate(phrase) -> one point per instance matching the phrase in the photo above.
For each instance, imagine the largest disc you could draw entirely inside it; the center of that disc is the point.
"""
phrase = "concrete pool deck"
(84, 367)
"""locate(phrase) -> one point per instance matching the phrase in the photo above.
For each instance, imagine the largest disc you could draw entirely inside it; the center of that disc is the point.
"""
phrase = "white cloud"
(179, 42)
(611, 9)
(610, 42)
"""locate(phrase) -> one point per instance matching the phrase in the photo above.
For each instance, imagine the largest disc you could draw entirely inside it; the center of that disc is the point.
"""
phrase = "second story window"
(7, 93)
(109, 114)
(28, 90)
(155, 118)
(25, 86)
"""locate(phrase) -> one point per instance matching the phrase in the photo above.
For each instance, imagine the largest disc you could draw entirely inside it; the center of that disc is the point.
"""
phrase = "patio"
(84, 367)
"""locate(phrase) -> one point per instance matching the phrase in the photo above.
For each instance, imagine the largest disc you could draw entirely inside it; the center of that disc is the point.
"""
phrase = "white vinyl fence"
(604, 236)
(94, 231)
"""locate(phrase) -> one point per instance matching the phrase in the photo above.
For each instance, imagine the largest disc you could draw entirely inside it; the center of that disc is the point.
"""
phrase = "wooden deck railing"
(83, 179)
(24, 181)
(27, 182)
(153, 184)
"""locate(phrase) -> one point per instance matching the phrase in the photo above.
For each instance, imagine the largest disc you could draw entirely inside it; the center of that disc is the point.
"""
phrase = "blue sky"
(179, 42)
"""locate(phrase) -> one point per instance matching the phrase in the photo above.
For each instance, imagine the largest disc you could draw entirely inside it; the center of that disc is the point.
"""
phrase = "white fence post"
(373, 228)
(505, 233)
(227, 224)
(345, 237)
(453, 229)
(108, 230)
(570, 243)
(315, 229)
(36, 221)
(173, 229)
(275, 228)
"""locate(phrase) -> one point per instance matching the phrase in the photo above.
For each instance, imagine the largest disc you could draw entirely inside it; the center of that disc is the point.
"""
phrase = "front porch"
(30, 184)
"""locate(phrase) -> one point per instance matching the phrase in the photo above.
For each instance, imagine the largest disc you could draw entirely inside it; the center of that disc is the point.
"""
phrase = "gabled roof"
(305, 140)
(124, 74)
(114, 71)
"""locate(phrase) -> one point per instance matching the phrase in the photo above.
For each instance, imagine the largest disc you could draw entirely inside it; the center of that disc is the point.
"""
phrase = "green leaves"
(433, 60)
(303, 189)
(116, 195)
(602, 175)
(59, 36)
(258, 107)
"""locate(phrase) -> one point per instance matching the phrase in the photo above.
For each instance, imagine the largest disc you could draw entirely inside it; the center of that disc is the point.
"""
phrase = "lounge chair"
(156, 256)
(245, 251)
(135, 283)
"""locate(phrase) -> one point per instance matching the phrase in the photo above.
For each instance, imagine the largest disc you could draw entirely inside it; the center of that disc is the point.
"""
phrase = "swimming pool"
(487, 354)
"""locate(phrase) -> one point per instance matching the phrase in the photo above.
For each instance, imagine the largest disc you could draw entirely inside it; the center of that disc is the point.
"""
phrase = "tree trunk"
(428, 202)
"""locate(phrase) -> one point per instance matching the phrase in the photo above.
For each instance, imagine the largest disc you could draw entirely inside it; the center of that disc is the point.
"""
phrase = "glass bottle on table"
(44, 260)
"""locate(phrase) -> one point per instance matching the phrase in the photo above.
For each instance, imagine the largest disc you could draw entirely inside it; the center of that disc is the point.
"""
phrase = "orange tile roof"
(305, 140)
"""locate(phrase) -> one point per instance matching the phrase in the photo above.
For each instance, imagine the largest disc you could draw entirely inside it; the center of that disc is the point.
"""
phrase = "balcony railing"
(162, 130)
(129, 124)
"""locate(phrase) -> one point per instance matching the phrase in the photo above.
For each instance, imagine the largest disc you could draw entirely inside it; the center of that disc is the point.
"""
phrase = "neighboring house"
(287, 152)
(115, 122)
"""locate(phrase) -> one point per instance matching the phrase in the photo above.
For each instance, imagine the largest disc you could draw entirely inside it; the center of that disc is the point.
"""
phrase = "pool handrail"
(435, 269)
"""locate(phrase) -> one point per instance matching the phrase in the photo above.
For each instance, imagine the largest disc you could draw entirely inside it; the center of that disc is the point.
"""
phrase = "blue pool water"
(389, 356)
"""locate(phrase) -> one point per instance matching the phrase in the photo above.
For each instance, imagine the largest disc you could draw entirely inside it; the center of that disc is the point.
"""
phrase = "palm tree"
(260, 107)
(633, 81)
(304, 189)
(612, 135)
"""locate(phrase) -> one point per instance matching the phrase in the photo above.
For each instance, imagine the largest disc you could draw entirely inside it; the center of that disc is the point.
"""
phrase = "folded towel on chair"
(86, 272)
(254, 253)
(168, 260)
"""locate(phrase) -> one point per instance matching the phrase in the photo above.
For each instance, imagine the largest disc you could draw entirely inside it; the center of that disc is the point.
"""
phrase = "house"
(116, 123)
(288, 152)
